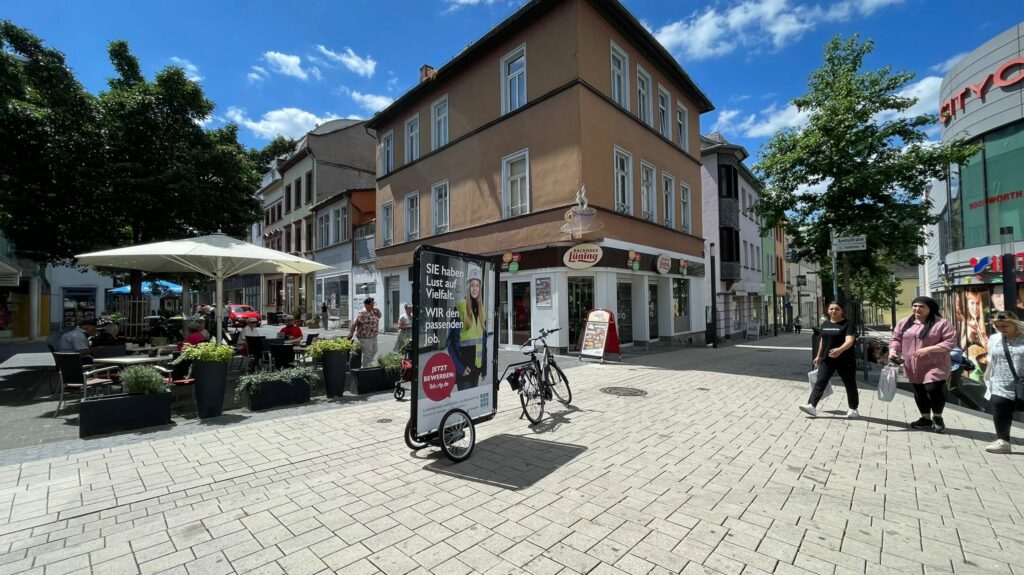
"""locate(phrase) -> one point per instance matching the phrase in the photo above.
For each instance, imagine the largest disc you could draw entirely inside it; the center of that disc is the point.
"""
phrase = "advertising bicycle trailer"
(455, 349)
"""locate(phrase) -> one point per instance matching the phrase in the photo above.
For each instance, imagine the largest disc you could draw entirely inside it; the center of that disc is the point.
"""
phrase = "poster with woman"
(454, 336)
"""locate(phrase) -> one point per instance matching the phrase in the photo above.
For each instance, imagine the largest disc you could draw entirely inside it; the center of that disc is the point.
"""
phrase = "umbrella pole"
(220, 307)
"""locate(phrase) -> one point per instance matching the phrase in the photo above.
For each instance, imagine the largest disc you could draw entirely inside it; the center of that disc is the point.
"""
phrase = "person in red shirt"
(195, 335)
(292, 333)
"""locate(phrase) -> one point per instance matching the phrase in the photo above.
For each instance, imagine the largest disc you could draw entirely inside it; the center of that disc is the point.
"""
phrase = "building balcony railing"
(730, 271)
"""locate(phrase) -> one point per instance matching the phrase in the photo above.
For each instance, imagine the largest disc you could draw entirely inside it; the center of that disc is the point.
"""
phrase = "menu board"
(599, 335)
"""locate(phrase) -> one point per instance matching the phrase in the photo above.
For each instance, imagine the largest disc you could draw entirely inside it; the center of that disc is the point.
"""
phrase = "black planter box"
(371, 380)
(275, 393)
(123, 412)
(211, 383)
(355, 361)
(335, 369)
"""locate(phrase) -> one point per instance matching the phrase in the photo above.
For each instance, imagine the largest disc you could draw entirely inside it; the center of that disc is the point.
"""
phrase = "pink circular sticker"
(438, 379)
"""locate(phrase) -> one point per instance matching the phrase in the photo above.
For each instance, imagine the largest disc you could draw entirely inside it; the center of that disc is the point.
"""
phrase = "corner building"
(486, 154)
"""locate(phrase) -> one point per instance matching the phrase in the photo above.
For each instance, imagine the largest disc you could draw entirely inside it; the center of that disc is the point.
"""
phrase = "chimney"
(427, 72)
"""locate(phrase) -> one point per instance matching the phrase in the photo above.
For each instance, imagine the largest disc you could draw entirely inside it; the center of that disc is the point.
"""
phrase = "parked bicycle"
(538, 379)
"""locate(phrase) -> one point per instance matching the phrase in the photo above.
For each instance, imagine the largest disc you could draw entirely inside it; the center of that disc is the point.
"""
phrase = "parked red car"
(241, 313)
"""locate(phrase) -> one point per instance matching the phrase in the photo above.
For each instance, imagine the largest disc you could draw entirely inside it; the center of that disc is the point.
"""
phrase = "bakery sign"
(582, 256)
(663, 264)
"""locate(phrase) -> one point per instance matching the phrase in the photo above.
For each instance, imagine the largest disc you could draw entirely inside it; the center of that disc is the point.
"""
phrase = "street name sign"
(850, 243)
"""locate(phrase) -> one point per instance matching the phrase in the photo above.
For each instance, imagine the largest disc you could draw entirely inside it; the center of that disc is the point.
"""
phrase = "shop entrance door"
(581, 300)
(504, 310)
(392, 294)
(624, 303)
(652, 310)
(520, 312)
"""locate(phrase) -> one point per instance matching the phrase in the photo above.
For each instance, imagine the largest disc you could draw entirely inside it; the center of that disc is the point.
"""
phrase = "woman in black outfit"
(835, 354)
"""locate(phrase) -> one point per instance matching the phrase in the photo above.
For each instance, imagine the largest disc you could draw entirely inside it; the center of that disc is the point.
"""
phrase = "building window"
(341, 224)
(288, 198)
(684, 207)
(513, 80)
(439, 193)
(387, 153)
(515, 177)
(412, 216)
(668, 200)
(323, 230)
(387, 224)
(683, 126)
(648, 202)
(623, 182)
(643, 95)
(309, 187)
(412, 139)
(664, 109)
(439, 121)
(620, 76)
(745, 255)
(298, 193)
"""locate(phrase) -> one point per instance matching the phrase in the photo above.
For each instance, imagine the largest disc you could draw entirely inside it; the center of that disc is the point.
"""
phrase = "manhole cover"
(623, 391)
(383, 421)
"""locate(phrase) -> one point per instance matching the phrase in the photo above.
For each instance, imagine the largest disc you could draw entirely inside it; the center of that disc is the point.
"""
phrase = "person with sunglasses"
(1006, 358)
(924, 341)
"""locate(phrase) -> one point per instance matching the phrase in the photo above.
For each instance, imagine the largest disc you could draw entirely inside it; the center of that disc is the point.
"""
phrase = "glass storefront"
(334, 291)
(680, 304)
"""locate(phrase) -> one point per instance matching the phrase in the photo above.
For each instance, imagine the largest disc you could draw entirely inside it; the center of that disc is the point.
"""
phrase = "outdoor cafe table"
(127, 360)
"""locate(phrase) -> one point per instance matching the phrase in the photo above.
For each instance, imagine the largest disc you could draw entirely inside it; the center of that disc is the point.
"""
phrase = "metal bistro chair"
(258, 352)
(300, 354)
(74, 376)
(178, 377)
(282, 355)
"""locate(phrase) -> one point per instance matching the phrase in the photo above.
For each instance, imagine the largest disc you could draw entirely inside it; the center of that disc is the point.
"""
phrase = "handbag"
(887, 383)
(1018, 388)
(812, 378)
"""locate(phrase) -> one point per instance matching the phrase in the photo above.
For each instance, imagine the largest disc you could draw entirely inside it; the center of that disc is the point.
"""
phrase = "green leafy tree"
(860, 165)
(279, 146)
(52, 196)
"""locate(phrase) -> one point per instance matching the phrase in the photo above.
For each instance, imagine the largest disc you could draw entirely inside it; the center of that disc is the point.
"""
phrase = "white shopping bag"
(812, 378)
(887, 383)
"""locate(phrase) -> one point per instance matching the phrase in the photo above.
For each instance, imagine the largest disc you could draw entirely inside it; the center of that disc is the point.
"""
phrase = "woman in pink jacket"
(924, 340)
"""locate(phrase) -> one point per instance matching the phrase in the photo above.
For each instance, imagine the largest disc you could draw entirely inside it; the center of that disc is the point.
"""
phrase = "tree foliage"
(279, 146)
(860, 165)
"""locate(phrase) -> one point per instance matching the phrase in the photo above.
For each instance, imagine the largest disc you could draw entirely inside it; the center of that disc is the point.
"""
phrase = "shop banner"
(454, 336)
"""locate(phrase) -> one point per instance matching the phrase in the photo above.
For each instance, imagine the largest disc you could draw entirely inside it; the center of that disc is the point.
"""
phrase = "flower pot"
(123, 412)
(371, 380)
(280, 392)
(211, 382)
(335, 369)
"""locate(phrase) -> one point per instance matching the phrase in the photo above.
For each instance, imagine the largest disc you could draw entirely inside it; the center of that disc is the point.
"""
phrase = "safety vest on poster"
(472, 334)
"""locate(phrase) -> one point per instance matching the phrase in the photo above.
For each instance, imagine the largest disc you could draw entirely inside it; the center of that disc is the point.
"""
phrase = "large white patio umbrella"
(217, 256)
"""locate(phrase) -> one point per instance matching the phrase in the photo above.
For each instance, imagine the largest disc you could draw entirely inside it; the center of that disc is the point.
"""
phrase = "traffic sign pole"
(835, 274)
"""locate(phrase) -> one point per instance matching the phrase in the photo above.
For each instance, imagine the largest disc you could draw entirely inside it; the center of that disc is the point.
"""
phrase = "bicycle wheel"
(559, 384)
(411, 441)
(457, 434)
(531, 396)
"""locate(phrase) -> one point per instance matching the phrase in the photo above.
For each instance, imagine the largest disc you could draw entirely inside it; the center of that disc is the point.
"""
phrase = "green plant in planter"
(357, 347)
(251, 383)
(207, 352)
(142, 379)
(392, 363)
(321, 346)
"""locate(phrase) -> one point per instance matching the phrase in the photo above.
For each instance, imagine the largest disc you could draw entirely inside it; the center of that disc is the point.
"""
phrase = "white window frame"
(387, 153)
(685, 206)
(412, 233)
(664, 112)
(683, 126)
(412, 139)
(323, 230)
(620, 79)
(668, 199)
(745, 255)
(441, 216)
(644, 106)
(340, 227)
(623, 181)
(648, 196)
(387, 224)
(506, 184)
(436, 139)
(508, 103)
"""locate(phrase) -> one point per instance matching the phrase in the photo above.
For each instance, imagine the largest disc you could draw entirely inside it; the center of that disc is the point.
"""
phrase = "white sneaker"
(809, 410)
(999, 446)
(852, 414)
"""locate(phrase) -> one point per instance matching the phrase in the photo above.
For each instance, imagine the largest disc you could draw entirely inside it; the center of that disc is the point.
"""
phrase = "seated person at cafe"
(195, 335)
(108, 336)
(250, 329)
(291, 332)
(77, 340)
(201, 322)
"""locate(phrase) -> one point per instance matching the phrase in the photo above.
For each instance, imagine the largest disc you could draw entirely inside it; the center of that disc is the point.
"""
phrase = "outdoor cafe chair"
(258, 351)
(282, 355)
(178, 377)
(300, 351)
(73, 376)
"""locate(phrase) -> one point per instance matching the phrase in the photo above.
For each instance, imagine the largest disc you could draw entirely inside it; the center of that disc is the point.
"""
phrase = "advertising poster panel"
(454, 336)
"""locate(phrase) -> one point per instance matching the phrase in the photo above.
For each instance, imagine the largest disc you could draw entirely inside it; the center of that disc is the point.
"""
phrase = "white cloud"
(191, 70)
(760, 125)
(926, 90)
(726, 121)
(257, 74)
(372, 102)
(291, 122)
(716, 32)
(392, 81)
(946, 66)
(739, 97)
(363, 66)
(454, 5)
(289, 65)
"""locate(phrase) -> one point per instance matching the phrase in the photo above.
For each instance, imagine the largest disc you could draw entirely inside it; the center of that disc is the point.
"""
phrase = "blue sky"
(281, 67)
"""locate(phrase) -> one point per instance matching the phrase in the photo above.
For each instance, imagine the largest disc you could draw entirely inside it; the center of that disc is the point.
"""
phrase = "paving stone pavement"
(713, 471)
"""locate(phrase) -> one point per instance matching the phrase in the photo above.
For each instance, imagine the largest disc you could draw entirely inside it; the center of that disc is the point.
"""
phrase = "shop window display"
(972, 188)
(1004, 155)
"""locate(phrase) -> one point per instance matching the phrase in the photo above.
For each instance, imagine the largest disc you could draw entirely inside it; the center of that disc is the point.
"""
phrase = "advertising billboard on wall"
(973, 307)
(454, 336)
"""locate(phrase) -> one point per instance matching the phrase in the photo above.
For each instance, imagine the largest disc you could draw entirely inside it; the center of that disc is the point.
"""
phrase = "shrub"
(142, 379)
(392, 363)
(251, 383)
(321, 346)
(207, 352)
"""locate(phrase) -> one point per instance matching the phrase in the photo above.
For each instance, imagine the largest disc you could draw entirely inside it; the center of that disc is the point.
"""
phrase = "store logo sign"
(663, 264)
(996, 199)
(1010, 73)
(582, 256)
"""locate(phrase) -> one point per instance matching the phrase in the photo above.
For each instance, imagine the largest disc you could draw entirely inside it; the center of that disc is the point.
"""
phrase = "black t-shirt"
(834, 335)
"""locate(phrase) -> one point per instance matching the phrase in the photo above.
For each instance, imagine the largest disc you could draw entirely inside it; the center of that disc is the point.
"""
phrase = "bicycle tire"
(411, 441)
(457, 435)
(531, 397)
(559, 384)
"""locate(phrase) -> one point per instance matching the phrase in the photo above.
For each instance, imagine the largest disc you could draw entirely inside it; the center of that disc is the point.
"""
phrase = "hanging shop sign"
(582, 256)
(1009, 73)
(663, 264)
(633, 260)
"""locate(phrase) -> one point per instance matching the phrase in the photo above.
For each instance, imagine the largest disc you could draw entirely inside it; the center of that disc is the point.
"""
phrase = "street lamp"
(1009, 269)
(714, 301)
